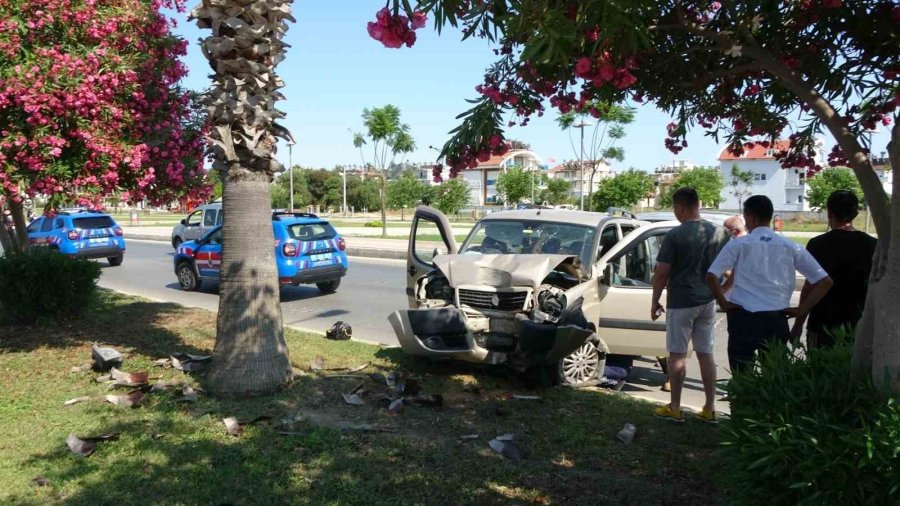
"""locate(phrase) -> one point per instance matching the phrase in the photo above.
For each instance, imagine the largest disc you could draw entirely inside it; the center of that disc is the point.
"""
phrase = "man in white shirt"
(759, 303)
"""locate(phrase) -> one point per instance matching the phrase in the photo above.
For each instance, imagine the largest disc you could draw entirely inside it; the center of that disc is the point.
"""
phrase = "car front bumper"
(313, 275)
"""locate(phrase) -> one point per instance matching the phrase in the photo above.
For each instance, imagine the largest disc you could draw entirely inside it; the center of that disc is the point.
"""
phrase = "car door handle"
(412, 270)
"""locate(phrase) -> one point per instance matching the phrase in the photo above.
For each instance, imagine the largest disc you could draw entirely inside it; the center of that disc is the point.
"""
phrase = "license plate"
(95, 241)
(324, 257)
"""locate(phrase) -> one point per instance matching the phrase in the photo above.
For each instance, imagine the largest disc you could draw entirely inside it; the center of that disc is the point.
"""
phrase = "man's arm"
(724, 262)
(816, 293)
(660, 280)
(716, 288)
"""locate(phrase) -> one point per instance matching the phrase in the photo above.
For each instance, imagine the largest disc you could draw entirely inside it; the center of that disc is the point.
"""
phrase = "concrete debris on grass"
(105, 358)
(507, 446)
(130, 400)
(626, 435)
(126, 379)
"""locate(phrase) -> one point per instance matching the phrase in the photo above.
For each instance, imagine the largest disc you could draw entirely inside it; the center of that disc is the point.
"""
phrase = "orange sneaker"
(669, 414)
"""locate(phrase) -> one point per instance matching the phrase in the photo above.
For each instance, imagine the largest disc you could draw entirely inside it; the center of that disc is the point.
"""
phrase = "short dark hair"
(843, 205)
(686, 196)
(760, 207)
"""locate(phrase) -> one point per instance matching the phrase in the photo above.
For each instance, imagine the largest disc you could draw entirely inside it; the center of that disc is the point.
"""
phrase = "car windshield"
(528, 237)
(93, 222)
(311, 231)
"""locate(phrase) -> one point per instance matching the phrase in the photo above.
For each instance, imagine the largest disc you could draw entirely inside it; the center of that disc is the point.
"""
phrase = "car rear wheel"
(115, 261)
(584, 366)
(176, 242)
(187, 278)
(329, 286)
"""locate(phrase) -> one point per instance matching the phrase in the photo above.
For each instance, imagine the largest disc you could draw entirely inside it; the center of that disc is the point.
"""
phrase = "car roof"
(555, 215)
(81, 214)
(715, 217)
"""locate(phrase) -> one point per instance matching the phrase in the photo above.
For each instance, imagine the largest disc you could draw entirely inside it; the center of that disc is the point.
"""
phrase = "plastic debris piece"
(396, 406)
(232, 427)
(508, 449)
(509, 437)
(469, 436)
(130, 400)
(76, 400)
(105, 358)
(188, 394)
(427, 400)
(79, 446)
(129, 379)
(354, 399)
(318, 363)
(340, 331)
(527, 397)
(626, 435)
(163, 362)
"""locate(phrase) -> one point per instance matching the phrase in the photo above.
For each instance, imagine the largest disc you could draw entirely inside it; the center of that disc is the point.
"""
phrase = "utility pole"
(580, 125)
(345, 192)
(290, 146)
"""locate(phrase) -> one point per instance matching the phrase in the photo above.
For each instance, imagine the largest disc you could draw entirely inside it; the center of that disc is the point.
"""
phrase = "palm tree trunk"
(18, 214)
(251, 356)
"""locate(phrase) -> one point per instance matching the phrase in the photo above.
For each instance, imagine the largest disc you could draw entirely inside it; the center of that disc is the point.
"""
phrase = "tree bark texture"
(250, 355)
(18, 214)
(7, 241)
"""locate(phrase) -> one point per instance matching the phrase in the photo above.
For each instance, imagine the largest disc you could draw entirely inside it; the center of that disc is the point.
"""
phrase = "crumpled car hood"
(499, 271)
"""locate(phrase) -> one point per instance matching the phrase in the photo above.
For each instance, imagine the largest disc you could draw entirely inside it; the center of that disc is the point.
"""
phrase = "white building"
(482, 180)
(571, 171)
(664, 177)
(786, 188)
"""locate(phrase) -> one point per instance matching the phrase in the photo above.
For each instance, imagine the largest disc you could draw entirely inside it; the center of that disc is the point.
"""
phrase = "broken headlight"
(551, 302)
(438, 288)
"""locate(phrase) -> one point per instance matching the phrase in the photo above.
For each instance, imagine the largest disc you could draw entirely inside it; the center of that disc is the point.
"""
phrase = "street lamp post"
(580, 125)
(290, 146)
(344, 209)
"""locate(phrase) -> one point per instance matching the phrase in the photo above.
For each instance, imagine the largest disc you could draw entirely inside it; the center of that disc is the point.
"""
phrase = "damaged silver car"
(535, 288)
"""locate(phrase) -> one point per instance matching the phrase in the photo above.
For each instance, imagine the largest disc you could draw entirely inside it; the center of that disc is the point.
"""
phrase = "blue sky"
(333, 70)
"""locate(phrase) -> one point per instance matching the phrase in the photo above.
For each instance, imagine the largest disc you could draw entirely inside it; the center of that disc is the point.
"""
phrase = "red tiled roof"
(757, 152)
(493, 161)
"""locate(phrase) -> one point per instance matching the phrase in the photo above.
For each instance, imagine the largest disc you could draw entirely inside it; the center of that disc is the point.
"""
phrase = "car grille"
(507, 301)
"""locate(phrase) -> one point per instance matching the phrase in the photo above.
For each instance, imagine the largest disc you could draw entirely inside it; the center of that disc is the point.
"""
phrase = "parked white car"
(533, 288)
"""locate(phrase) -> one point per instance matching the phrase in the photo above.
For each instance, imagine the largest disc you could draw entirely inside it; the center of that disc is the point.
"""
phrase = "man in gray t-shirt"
(684, 258)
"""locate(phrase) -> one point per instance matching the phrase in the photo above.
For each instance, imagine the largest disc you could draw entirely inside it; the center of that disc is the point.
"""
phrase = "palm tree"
(250, 355)
(389, 137)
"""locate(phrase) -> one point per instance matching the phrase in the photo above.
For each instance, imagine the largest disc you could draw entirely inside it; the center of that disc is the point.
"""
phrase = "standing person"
(735, 226)
(759, 304)
(846, 255)
(683, 260)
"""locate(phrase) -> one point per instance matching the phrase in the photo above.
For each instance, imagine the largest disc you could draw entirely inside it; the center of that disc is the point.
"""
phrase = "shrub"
(812, 431)
(373, 224)
(45, 284)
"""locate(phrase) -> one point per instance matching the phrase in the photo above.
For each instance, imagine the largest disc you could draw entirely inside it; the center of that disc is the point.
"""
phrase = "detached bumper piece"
(321, 274)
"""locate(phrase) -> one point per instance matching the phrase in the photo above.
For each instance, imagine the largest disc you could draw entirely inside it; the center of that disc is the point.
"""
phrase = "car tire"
(329, 286)
(176, 242)
(115, 261)
(584, 367)
(187, 277)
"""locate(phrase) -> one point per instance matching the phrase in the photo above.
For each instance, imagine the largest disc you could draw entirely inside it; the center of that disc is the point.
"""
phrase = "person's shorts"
(691, 325)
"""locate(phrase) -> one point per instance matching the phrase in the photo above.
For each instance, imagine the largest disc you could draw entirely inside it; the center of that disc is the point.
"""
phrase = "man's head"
(735, 226)
(686, 204)
(843, 207)
(758, 211)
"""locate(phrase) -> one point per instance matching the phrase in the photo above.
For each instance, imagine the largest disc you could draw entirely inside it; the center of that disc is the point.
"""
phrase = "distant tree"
(740, 182)
(451, 195)
(406, 191)
(280, 197)
(609, 126)
(514, 184)
(364, 193)
(556, 191)
(706, 180)
(388, 137)
(828, 181)
(624, 189)
(215, 181)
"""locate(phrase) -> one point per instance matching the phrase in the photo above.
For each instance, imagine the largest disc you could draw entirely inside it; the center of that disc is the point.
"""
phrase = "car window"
(215, 237)
(35, 225)
(209, 218)
(219, 217)
(635, 267)
(311, 231)
(530, 237)
(93, 222)
(608, 238)
(60, 223)
(47, 225)
(193, 219)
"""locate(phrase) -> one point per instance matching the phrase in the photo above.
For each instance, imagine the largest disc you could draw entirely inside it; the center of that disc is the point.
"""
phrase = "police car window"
(219, 217)
(93, 222)
(311, 231)
(209, 219)
(35, 225)
(47, 225)
(60, 223)
(216, 237)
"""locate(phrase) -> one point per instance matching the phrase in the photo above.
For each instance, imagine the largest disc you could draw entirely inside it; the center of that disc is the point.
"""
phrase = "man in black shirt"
(846, 255)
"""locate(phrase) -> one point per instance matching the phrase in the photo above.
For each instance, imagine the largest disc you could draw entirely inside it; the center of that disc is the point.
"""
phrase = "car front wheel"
(584, 366)
(329, 286)
(115, 261)
(187, 278)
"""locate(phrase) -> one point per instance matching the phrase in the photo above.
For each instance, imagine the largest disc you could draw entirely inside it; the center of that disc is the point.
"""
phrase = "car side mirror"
(436, 252)
(184, 221)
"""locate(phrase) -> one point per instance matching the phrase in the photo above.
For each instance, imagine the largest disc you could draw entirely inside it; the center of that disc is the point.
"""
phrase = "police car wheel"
(329, 286)
(115, 261)
(584, 366)
(187, 278)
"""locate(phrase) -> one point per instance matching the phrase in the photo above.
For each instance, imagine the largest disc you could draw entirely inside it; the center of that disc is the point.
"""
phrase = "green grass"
(166, 455)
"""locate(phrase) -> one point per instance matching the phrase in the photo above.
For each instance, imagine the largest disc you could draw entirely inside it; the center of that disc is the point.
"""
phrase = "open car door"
(427, 223)
(625, 293)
